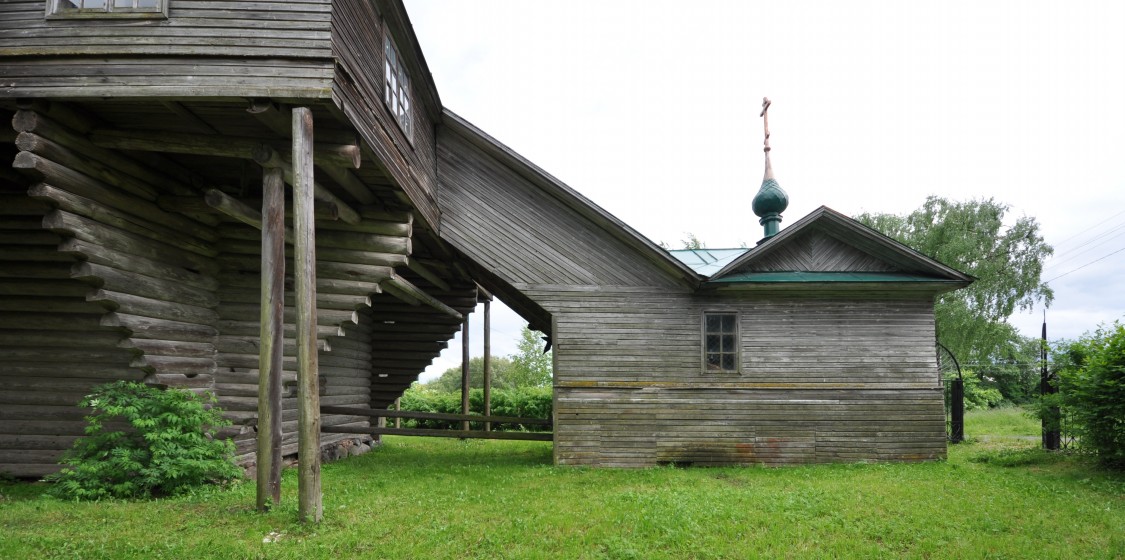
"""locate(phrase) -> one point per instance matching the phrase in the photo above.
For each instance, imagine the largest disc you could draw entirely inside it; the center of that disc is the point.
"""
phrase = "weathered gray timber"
(272, 300)
(131, 248)
(833, 370)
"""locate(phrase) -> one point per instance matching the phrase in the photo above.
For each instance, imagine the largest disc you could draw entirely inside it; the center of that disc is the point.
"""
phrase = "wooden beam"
(463, 434)
(242, 212)
(423, 271)
(309, 499)
(351, 183)
(186, 114)
(332, 155)
(487, 362)
(266, 156)
(272, 344)
(388, 413)
(398, 286)
(465, 372)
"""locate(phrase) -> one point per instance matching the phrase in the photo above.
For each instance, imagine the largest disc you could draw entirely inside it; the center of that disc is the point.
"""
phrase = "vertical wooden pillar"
(272, 342)
(309, 506)
(398, 407)
(465, 371)
(487, 363)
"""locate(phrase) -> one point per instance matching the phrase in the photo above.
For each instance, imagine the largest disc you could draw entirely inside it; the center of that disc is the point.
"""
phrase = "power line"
(1073, 255)
(1085, 265)
(1091, 228)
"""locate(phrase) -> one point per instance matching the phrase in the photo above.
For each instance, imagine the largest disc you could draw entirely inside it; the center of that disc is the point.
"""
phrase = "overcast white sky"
(650, 109)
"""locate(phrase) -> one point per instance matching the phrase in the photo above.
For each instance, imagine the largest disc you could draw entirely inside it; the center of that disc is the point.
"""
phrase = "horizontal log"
(460, 434)
(127, 243)
(115, 280)
(148, 327)
(169, 347)
(98, 254)
(399, 285)
(155, 308)
(86, 187)
(62, 134)
(267, 157)
(387, 413)
(335, 155)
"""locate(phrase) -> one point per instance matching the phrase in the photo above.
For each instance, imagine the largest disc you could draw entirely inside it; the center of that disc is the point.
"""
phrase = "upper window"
(720, 342)
(107, 8)
(396, 88)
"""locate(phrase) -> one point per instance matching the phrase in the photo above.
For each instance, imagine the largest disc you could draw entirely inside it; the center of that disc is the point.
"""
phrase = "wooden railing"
(466, 434)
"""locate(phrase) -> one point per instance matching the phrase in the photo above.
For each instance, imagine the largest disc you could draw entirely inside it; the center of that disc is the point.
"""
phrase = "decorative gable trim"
(862, 246)
(816, 251)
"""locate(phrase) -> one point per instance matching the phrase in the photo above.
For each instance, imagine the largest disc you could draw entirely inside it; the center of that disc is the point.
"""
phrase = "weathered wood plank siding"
(358, 33)
(821, 380)
(825, 375)
(204, 48)
(506, 224)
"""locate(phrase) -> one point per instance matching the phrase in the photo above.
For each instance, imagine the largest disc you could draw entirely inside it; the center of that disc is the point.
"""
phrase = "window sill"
(107, 15)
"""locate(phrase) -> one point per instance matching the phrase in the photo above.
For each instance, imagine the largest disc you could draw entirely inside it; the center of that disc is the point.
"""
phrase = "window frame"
(397, 90)
(737, 334)
(56, 10)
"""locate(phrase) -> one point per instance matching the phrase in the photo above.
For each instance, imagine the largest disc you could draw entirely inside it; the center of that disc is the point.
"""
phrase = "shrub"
(1092, 392)
(527, 402)
(168, 448)
(977, 395)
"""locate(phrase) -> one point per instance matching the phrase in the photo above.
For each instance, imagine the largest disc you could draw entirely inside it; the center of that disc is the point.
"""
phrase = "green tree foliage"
(1091, 381)
(167, 448)
(692, 242)
(450, 380)
(528, 367)
(1007, 261)
(531, 366)
(525, 402)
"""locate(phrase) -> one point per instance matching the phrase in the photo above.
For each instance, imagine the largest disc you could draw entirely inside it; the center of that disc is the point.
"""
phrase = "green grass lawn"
(425, 498)
(1001, 422)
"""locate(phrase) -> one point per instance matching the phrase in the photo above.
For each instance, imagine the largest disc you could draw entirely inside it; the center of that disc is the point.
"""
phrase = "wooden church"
(175, 171)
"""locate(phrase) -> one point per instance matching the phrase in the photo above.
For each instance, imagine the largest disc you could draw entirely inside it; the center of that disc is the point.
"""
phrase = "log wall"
(99, 285)
(103, 279)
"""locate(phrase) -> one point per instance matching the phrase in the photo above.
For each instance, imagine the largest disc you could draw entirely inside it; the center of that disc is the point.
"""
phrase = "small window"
(720, 342)
(396, 88)
(107, 8)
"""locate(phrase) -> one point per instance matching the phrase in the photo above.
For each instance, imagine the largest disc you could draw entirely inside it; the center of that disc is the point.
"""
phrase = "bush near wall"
(525, 402)
(1092, 392)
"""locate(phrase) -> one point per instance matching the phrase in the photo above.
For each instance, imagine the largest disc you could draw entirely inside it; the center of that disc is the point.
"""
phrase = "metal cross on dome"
(766, 122)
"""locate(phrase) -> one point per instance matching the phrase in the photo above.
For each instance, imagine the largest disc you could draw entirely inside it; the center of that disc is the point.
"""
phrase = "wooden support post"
(272, 339)
(487, 363)
(465, 371)
(398, 407)
(309, 506)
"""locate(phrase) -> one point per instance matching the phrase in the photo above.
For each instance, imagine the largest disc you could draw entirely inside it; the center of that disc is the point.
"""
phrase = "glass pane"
(714, 361)
(123, 3)
(728, 323)
(728, 343)
(94, 4)
(713, 323)
(147, 3)
(713, 344)
(728, 362)
(70, 4)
